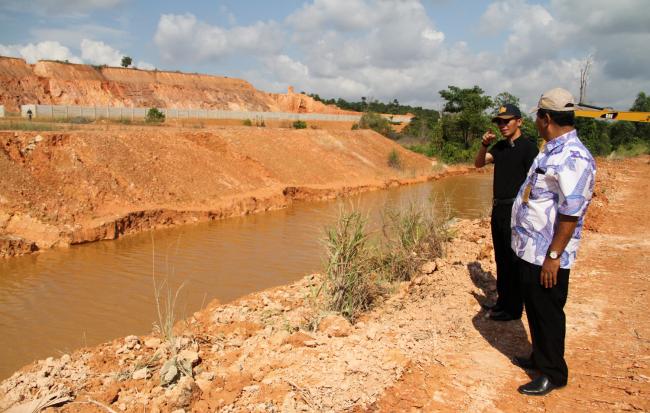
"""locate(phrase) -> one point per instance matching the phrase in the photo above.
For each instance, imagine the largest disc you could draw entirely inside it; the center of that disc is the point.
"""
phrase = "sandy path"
(608, 334)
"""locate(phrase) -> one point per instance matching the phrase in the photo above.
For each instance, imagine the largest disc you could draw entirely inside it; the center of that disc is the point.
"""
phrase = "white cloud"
(185, 37)
(70, 8)
(144, 65)
(47, 50)
(99, 53)
(71, 34)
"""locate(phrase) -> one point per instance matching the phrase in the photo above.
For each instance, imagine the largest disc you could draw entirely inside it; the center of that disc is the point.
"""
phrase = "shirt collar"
(560, 140)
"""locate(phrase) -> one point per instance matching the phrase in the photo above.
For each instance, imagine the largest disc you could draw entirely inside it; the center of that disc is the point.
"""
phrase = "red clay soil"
(58, 83)
(426, 347)
(103, 181)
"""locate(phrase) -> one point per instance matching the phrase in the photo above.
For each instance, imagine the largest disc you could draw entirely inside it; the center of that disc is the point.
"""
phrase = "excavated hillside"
(62, 188)
(57, 83)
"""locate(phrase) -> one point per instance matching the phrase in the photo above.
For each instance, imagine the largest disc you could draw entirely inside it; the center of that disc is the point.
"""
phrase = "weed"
(394, 159)
(27, 126)
(410, 238)
(154, 116)
(299, 124)
(349, 289)
(247, 122)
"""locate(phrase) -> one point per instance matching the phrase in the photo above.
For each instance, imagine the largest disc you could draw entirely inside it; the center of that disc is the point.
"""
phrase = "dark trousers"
(510, 299)
(546, 320)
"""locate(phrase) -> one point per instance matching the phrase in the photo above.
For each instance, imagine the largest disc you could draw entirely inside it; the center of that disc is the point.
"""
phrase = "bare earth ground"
(427, 347)
(104, 181)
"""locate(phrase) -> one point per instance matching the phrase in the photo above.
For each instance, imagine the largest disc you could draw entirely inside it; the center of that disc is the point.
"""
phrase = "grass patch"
(394, 159)
(27, 126)
(630, 150)
(359, 269)
(348, 288)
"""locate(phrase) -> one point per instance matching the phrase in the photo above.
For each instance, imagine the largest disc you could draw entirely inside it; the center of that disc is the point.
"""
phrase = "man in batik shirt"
(547, 220)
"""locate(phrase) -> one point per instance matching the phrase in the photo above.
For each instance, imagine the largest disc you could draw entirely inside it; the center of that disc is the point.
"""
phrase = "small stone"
(310, 343)
(122, 406)
(335, 326)
(252, 389)
(38, 138)
(428, 267)
(191, 357)
(141, 374)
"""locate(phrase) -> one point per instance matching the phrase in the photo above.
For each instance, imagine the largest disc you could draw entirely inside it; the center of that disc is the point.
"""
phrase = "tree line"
(454, 135)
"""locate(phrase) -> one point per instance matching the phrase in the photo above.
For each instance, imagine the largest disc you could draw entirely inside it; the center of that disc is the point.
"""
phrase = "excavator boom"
(614, 115)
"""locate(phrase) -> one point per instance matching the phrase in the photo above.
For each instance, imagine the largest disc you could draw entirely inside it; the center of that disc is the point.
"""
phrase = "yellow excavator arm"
(608, 113)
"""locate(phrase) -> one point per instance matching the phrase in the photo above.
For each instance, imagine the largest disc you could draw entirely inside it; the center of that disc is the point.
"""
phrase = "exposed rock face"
(56, 83)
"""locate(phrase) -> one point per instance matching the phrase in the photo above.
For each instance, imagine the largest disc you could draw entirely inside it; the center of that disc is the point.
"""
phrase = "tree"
(126, 61)
(505, 98)
(642, 104)
(154, 116)
(469, 106)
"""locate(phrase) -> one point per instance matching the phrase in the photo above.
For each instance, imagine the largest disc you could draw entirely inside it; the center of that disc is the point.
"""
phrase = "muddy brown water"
(61, 300)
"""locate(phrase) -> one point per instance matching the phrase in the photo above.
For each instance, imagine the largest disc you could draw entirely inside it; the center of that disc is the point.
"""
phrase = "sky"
(384, 49)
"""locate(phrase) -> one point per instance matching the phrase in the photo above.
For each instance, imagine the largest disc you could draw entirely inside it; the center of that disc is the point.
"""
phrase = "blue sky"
(385, 49)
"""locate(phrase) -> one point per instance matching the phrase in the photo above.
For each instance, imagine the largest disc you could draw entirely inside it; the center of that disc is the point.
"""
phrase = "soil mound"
(58, 83)
(62, 188)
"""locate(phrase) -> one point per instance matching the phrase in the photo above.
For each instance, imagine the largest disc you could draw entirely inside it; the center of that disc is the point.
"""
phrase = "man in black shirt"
(512, 158)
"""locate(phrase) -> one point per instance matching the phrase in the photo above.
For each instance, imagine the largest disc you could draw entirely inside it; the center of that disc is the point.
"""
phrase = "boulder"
(335, 326)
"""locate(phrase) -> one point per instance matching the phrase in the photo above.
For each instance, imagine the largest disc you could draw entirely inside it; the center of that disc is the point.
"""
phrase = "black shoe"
(501, 316)
(525, 363)
(538, 387)
(492, 307)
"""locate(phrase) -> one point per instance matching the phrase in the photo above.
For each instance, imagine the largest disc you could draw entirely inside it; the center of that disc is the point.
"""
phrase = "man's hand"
(488, 138)
(548, 276)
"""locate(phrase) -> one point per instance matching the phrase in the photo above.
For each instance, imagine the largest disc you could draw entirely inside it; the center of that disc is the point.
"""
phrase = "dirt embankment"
(56, 83)
(72, 187)
(428, 347)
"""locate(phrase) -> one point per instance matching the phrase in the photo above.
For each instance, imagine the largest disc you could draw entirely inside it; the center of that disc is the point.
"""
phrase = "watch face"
(553, 255)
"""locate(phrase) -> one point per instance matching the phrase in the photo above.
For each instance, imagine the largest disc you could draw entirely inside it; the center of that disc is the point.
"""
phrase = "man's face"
(508, 127)
(541, 124)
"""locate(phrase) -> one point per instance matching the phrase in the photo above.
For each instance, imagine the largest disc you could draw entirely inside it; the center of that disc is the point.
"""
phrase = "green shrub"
(394, 159)
(348, 287)
(299, 124)
(154, 116)
(410, 238)
(247, 122)
(378, 123)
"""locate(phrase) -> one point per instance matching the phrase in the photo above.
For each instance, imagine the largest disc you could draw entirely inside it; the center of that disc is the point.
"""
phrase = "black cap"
(507, 111)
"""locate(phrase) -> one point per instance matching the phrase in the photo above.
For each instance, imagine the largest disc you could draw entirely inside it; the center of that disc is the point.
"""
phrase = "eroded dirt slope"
(57, 83)
(428, 347)
(72, 187)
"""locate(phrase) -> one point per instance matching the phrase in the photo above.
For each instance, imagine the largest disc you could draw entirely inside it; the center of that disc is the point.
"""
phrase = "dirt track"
(100, 182)
(427, 348)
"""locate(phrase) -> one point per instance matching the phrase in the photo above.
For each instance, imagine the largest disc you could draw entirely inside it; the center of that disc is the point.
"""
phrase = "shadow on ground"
(509, 337)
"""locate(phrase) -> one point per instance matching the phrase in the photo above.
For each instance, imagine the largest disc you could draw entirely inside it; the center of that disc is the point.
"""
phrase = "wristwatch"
(554, 255)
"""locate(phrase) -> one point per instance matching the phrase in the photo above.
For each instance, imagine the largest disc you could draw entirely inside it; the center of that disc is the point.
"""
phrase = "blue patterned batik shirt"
(561, 180)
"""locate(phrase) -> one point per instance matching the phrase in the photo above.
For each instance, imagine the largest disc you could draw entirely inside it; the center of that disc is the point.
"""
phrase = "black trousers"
(510, 299)
(546, 320)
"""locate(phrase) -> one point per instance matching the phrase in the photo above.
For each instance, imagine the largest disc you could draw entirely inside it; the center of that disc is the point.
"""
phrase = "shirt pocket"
(542, 186)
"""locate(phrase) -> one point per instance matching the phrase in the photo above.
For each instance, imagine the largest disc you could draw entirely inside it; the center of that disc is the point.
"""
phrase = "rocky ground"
(426, 347)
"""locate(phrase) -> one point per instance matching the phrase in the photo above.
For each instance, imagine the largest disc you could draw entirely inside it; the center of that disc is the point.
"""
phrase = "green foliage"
(348, 288)
(154, 116)
(467, 119)
(357, 272)
(376, 122)
(126, 61)
(594, 135)
(631, 149)
(299, 124)
(394, 159)
(247, 122)
(410, 238)
(27, 126)
(504, 98)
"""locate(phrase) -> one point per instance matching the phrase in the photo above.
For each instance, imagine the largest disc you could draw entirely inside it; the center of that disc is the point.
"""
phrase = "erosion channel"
(57, 301)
